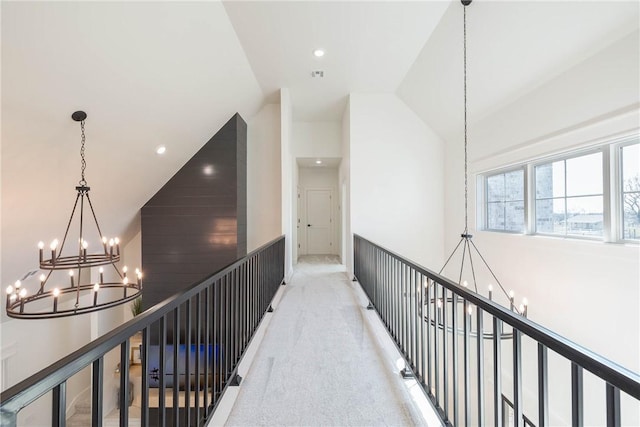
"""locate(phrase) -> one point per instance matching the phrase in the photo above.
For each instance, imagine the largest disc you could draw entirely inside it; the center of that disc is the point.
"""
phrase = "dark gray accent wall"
(197, 223)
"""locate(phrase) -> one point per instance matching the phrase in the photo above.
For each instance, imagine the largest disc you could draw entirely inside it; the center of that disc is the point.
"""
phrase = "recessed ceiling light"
(161, 149)
(318, 162)
(318, 53)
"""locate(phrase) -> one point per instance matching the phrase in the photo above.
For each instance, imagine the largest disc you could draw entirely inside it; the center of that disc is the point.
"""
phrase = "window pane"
(631, 191)
(495, 188)
(495, 215)
(514, 185)
(631, 220)
(550, 180)
(584, 175)
(584, 216)
(631, 167)
(550, 216)
(514, 216)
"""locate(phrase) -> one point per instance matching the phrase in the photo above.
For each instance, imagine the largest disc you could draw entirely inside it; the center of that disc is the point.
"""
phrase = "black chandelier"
(77, 297)
(466, 243)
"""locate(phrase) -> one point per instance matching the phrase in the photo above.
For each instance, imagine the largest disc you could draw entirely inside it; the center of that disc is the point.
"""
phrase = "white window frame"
(605, 196)
(612, 192)
(483, 191)
(617, 201)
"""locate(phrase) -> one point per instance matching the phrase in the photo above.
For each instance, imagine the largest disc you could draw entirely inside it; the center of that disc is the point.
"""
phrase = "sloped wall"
(197, 223)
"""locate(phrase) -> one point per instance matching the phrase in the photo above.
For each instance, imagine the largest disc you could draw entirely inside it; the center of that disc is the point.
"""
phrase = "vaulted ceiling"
(171, 73)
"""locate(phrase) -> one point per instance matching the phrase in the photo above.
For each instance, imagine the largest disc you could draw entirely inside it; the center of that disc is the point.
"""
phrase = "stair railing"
(436, 342)
(191, 346)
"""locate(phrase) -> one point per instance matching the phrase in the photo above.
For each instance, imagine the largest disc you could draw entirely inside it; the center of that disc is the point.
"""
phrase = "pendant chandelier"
(82, 294)
(466, 243)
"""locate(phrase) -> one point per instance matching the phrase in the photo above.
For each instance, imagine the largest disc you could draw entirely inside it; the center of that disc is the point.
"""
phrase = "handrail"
(30, 389)
(616, 375)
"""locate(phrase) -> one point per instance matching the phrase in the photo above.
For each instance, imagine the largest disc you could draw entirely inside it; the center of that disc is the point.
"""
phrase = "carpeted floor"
(319, 363)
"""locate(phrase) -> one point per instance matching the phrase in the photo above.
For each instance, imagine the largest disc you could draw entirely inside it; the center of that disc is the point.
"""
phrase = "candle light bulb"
(137, 271)
(96, 287)
(54, 245)
(40, 245)
(71, 273)
(101, 270)
(511, 293)
(42, 277)
(125, 269)
(465, 284)
(23, 292)
(85, 244)
(117, 241)
(17, 284)
(125, 280)
(12, 297)
(9, 290)
(111, 243)
(525, 302)
(490, 287)
(104, 239)
(56, 292)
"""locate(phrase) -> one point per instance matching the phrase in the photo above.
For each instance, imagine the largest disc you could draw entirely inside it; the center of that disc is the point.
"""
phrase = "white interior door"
(318, 222)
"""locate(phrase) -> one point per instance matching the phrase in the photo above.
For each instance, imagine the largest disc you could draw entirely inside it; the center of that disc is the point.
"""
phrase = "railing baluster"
(467, 371)
(97, 387)
(480, 339)
(613, 406)
(144, 383)
(59, 408)
(187, 363)
(198, 346)
(437, 309)
(517, 377)
(124, 383)
(543, 383)
(454, 355)
(207, 348)
(577, 407)
(176, 373)
(162, 373)
(445, 350)
(497, 372)
(428, 347)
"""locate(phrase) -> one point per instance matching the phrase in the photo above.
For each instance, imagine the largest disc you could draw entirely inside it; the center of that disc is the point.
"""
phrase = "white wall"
(319, 178)
(396, 173)
(317, 139)
(288, 182)
(578, 288)
(344, 177)
(264, 171)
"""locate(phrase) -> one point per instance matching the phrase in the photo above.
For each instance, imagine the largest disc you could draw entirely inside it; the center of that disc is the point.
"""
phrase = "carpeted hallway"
(320, 363)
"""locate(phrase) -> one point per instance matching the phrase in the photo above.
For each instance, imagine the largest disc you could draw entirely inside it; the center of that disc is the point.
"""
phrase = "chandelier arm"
(464, 252)
(494, 276)
(66, 233)
(450, 256)
(473, 271)
(44, 282)
(95, 218)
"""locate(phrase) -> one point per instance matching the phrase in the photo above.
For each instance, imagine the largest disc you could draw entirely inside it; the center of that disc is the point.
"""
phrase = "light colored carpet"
(319, 363)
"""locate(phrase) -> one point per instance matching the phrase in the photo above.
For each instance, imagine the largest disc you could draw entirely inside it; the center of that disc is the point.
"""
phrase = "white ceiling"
(512, 48)
(369, 47)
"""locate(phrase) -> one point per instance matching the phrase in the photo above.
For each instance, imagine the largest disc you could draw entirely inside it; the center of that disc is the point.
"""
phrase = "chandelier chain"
(466, 185)
(83, 182)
